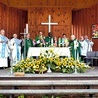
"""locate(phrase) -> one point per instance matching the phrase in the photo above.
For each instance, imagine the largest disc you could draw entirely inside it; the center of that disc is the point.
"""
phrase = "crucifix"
(49, 23)
(25, 32)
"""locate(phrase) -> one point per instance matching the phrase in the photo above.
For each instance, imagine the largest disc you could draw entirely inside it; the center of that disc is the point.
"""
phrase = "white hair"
(2, 30)
(14, 35)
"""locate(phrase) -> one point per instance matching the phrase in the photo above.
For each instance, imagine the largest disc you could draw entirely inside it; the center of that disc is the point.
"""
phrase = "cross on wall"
(49, 23)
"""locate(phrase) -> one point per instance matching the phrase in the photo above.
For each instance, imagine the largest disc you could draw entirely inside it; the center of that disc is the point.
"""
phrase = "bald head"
(14, 35)
(2, 32)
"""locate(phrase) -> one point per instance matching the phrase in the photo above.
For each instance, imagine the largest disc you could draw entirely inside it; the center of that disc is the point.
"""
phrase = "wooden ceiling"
(74, 4)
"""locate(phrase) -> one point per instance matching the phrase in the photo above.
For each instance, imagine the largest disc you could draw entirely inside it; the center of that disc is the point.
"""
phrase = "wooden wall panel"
(12, 20)
(82, 21)
(62, 16)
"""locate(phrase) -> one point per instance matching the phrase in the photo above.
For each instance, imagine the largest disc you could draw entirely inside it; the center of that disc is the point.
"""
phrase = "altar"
(61, 51)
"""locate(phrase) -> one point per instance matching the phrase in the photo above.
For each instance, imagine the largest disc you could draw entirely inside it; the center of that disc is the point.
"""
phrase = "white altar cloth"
(61, 51)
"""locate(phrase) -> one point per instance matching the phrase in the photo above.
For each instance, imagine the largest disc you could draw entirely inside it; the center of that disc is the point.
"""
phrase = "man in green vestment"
(64, 41)
(40, 40)
(74, 48)
(28, 43)
(49, 40)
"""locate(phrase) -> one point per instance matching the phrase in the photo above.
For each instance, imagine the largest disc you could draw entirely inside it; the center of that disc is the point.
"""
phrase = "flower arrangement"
(30, 65)
(95, 35)
(50, 59)
(95, 30)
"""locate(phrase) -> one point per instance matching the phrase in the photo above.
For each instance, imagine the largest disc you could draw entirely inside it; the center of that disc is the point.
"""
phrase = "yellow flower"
(71, 59)
(51, 50)
(82, 64)
(37, 66)
(43, 65)
(65, 59)
(34, 60)
(34, 66)
(38, 62)
(17, 65)
(26, 66)
(59, 63)
(22, 61)
(27, 59)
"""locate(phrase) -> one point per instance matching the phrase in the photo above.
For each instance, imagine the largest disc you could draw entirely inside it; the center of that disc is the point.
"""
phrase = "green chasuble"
(63, 42)
(49, 41)
(74, 49)
(40, 41)
(28, 43)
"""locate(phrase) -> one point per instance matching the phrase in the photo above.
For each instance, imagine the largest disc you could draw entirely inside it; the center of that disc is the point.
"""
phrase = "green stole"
(74, 52)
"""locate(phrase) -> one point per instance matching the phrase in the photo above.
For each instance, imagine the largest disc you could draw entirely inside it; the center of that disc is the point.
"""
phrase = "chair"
(97, 54)
(96, 59)
(90, 57)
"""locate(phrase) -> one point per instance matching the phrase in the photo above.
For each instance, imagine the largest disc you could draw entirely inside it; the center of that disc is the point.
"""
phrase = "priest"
(40, 40)
(28, 43)
(4, 50)
(49, 41)
(15, 49)
(74, 48)
(64, 41)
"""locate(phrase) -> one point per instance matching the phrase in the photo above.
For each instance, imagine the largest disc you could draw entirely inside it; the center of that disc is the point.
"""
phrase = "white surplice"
(83, 48)
(15, 50)
(4, 51)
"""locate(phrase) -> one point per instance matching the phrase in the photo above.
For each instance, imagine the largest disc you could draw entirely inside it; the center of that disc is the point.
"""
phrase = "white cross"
(49, 24)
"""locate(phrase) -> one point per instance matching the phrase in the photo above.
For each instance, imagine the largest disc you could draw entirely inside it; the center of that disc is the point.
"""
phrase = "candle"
(51, 41)
(26, 28)
(59, 42)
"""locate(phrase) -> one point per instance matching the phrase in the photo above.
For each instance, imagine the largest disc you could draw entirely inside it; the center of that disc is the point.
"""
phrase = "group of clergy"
(17, 49)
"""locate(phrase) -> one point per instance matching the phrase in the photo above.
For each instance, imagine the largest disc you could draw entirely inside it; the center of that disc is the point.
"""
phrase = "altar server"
(83, 48)
(89, 42)
(4, 51)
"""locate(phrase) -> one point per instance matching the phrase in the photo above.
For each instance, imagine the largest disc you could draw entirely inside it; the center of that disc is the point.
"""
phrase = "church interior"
(77, 18)
(73, 17)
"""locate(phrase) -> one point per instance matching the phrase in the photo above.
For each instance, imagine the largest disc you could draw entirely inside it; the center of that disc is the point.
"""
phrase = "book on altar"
(38, 42)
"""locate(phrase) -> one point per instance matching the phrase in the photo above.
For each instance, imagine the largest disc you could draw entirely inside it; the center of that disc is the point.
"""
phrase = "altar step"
(91, 74)
(51, 76)
(51, 91)
(49, 83)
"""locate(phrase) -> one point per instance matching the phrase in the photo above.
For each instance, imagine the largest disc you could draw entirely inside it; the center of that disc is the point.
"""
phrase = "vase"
(49, 69)
(75, 70)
